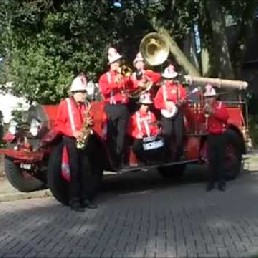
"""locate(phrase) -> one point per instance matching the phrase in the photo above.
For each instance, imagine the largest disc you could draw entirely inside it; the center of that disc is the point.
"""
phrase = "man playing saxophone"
(217, 116)
(73, 121)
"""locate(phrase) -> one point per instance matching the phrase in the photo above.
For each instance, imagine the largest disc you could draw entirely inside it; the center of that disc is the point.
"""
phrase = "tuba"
(154, 48)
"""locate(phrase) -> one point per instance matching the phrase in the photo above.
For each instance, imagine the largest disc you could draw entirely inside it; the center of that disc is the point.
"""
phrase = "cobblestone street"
(139, 215)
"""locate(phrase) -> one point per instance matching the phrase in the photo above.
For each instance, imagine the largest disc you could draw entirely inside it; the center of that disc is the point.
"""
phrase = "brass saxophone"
(86, 130)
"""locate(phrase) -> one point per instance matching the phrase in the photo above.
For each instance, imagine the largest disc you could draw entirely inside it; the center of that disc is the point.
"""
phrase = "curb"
(22, 196)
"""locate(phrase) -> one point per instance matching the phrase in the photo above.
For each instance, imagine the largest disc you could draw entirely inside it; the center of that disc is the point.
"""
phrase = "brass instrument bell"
(126, 71)
(154, 48)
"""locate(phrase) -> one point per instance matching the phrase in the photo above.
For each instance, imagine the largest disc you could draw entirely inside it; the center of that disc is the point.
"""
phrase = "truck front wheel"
(18, 180)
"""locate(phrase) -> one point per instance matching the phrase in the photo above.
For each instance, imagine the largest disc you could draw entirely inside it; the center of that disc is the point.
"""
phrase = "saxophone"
(86, 130)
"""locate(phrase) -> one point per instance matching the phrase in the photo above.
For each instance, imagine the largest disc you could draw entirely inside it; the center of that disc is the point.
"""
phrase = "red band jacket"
(143, 123)
(169, 91)
(114, 92)
(70, 117)
(217, 122)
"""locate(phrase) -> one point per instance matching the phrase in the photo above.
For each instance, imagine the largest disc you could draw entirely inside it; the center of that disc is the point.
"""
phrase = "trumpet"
(207, 108)
(125, 71)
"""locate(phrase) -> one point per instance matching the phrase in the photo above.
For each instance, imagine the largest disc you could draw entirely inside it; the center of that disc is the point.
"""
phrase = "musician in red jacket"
(69, 123)
(217, 115)
(114, 88)
(142, 77)
(169, 99)
(143, 124)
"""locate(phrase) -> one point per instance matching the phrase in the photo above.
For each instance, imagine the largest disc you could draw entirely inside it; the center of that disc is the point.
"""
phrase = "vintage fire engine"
(33, 153)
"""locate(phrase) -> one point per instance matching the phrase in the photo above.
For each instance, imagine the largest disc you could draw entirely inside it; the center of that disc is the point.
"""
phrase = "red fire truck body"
(32, 161)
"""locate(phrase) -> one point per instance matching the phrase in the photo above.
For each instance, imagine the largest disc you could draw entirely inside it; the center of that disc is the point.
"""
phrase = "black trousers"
(117, 115)
(173, 131)
(80, 169)
(216, 158)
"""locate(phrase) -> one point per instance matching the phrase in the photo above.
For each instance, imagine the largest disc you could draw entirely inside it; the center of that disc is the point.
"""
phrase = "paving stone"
(174, 221)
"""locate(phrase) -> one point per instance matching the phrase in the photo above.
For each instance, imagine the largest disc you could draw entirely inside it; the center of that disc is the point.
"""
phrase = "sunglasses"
(80, 91)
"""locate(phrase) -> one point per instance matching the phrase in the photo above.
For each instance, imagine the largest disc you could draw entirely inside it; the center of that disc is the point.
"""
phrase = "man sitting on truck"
(217, 116)
(144, 130)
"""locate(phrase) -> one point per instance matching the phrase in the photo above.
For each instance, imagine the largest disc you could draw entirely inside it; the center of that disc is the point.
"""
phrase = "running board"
(148, 167)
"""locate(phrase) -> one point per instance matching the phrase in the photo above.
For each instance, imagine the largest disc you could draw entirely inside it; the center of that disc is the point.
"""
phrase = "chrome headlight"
(12, 127)
(35, 126)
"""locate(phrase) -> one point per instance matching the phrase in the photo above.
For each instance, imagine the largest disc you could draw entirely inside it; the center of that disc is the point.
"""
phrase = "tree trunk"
(246, 31)
(190, 50)
(179, 56)
(219, 40)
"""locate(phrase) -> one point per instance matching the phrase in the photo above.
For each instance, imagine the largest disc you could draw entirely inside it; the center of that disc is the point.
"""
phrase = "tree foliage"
(45, 43)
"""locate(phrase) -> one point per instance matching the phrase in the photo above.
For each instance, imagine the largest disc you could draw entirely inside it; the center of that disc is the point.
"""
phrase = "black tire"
(175, 172)
(97, 161)
(59, 186)
(56, 184)
(233, 155)
(18, 180)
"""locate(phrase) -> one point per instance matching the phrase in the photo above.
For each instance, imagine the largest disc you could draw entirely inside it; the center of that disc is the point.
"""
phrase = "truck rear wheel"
(175, 172)
(56, 183)
(18, 180)
(233, 162)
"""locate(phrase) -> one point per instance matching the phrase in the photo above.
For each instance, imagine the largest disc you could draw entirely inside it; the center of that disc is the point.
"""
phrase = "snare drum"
(152, 143)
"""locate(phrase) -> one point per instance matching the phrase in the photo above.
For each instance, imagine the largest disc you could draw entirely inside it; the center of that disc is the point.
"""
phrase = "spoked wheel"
(19, 179)
(233, 161)
(175, 172)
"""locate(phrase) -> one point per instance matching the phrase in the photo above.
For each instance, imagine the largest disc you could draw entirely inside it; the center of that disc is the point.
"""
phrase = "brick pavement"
(139, 215)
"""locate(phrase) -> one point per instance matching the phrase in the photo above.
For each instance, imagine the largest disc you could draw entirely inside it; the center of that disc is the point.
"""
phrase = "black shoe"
(77, 207)
(210, 187)
(87, 204)
(222, 187)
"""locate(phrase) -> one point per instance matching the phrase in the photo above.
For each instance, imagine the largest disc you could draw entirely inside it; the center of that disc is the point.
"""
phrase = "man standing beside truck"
(70, 122)
(217, 115)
